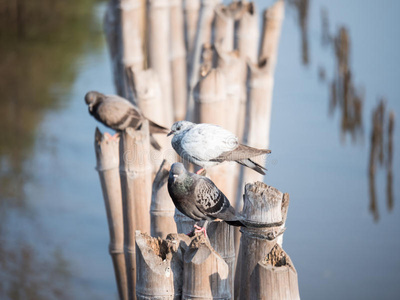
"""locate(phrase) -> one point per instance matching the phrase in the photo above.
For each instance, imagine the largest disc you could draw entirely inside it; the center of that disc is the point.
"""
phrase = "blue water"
(338, 249)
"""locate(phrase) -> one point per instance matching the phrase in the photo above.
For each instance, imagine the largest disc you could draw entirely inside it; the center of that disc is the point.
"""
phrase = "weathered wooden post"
(162, 208)
(107, 156)
(124, 31)
(178, 59)
(205, 273)
(158, 38)
(263, 212)
(159, 267)
(136, 182)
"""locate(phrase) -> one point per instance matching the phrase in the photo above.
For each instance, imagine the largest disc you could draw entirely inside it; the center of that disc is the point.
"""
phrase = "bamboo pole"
(146, 87)
(159, 268)
(205, 273)
(107, 157)
(191, 18)
(178, 59)
(264, 213)
(274, 277)
(203, 35)
(123, 30)
(158, 38)
(246, 42)
(184, 224)
(162, 208)
(224, 28)
(272, 24)
(135, 174)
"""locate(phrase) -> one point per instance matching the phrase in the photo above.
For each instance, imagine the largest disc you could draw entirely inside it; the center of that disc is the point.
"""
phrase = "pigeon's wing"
(118, 113)
(206, 142)
(211, 201)
(241, 152)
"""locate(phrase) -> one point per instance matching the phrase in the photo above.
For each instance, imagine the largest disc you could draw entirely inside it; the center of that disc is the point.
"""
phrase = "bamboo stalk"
(191, 17)
(264, 213)
(205, 273)
(123, 31)
(135, 174)
(178, 59)
(272, 24)
(158, 38)
(246, 42)
(146, 87)
(162, 208)
(107, 157)
(275, 277)
(184, 224)
(224, 28)
(159, 268)
(203, 36)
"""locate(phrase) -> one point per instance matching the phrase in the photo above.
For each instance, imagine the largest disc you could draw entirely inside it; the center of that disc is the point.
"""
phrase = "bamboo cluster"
(205, 62)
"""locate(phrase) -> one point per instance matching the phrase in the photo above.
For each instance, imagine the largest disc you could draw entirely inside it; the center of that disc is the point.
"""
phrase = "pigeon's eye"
(178, 128)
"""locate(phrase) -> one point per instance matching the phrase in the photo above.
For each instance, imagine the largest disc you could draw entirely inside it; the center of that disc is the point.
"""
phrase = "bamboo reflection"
(381, 156)
(41, 42)
(302, 8)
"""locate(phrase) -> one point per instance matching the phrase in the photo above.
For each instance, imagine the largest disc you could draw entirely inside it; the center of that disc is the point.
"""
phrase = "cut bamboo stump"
(263, 212)
(159, 268)
(107, 156)
(178, 59)
(162, 208)
(123, 30)
(205, 273)
(136, 184)
(158, 38)
(274, 277)
(224, 28)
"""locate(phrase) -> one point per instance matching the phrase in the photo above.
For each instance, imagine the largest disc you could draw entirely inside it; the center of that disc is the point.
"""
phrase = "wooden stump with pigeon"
(191, 70)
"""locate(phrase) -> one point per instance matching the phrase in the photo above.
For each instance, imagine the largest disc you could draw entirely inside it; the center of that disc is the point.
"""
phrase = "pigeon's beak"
(171, 132)
(175, 175)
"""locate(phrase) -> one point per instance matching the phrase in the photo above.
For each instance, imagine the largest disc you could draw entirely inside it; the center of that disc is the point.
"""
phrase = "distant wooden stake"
(107, 155)
(123, 31)
(206, 274)
(162, 208)
(158, 37)
(264, 211)
(159, 268)
(178, 60)
(135, 173)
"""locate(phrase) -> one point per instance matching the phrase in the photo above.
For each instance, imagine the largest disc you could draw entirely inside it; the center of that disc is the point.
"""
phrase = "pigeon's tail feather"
(154, 143)
(236, 223)
(155, 128)
(252, 165)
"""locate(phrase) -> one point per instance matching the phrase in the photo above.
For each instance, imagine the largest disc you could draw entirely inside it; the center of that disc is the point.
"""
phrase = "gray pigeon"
(198, 198)
(207, 145)
(118, 113)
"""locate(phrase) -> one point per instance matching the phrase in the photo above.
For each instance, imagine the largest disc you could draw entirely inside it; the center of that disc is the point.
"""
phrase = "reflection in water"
(41, 42)
(381, 156)
(301, 7)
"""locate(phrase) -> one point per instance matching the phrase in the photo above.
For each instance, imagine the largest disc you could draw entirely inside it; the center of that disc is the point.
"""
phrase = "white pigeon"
(207, 145)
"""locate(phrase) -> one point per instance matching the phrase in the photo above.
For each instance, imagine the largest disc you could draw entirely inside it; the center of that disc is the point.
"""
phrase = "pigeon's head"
(180, 126)
(92, 97)
(177, 169)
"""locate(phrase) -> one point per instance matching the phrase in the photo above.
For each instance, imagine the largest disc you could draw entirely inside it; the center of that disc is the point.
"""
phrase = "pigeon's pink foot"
(111, 137)
(201, 172)
(200, 229)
